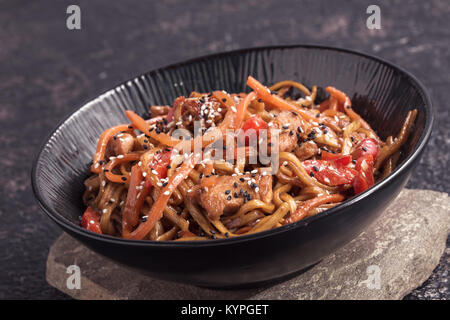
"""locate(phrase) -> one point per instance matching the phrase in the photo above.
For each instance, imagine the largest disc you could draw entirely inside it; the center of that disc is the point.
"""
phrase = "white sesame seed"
(120, 156)
(166, 193)
(233, 108)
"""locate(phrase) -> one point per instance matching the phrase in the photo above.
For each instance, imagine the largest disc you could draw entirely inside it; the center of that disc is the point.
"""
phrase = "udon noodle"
(142, 187)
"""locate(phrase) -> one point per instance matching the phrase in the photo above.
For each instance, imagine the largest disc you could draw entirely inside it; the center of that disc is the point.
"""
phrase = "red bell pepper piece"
(159, 164)
(91, 220)
(255, 123)
(364, 179)
(329, 172)
(337, 158)
(365, 147)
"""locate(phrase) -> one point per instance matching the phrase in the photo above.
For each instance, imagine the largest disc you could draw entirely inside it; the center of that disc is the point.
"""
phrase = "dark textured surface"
(47, 71)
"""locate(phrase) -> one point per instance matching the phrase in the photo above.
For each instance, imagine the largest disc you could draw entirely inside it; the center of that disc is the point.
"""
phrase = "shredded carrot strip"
(224, 98)
(103, 143)
(157, 209)
(264, 93)
(130, 215)
(347, 106)
(324, 105)
(143, 126)
(111, 164)
(333, 103)
(311, 204)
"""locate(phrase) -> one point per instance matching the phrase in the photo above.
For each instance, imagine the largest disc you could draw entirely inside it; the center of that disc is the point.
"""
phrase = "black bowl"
(382, 93)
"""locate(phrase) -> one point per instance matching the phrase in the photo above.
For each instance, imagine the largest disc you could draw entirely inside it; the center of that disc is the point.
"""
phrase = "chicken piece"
(205, 108)
(226, 194)
(157, 111)
(291, 126)
(306, 150)
(121, 143)
(325, 136)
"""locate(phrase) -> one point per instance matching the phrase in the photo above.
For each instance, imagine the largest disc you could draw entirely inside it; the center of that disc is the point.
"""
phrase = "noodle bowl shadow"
(382, 93)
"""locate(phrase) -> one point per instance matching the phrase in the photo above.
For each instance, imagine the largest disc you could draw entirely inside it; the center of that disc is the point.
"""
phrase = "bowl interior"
(380, 92)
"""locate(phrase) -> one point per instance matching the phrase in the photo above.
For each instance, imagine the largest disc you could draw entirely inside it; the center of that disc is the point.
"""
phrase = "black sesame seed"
(229, 198)
(124, 179)
(226, 234)
(270, 144)
(224, 100)
(235, 195)
(318, 115)
(315, 168)
(227, 191)
(235, 184)
(168, 166)
(311, 174)
(144, 219)
(364, 148)
(242, 179)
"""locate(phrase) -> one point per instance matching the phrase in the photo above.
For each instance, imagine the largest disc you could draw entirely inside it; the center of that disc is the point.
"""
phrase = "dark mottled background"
(46, 71)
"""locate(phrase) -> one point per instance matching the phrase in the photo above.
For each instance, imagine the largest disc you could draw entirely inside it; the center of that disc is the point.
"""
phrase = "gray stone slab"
(395, 255)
